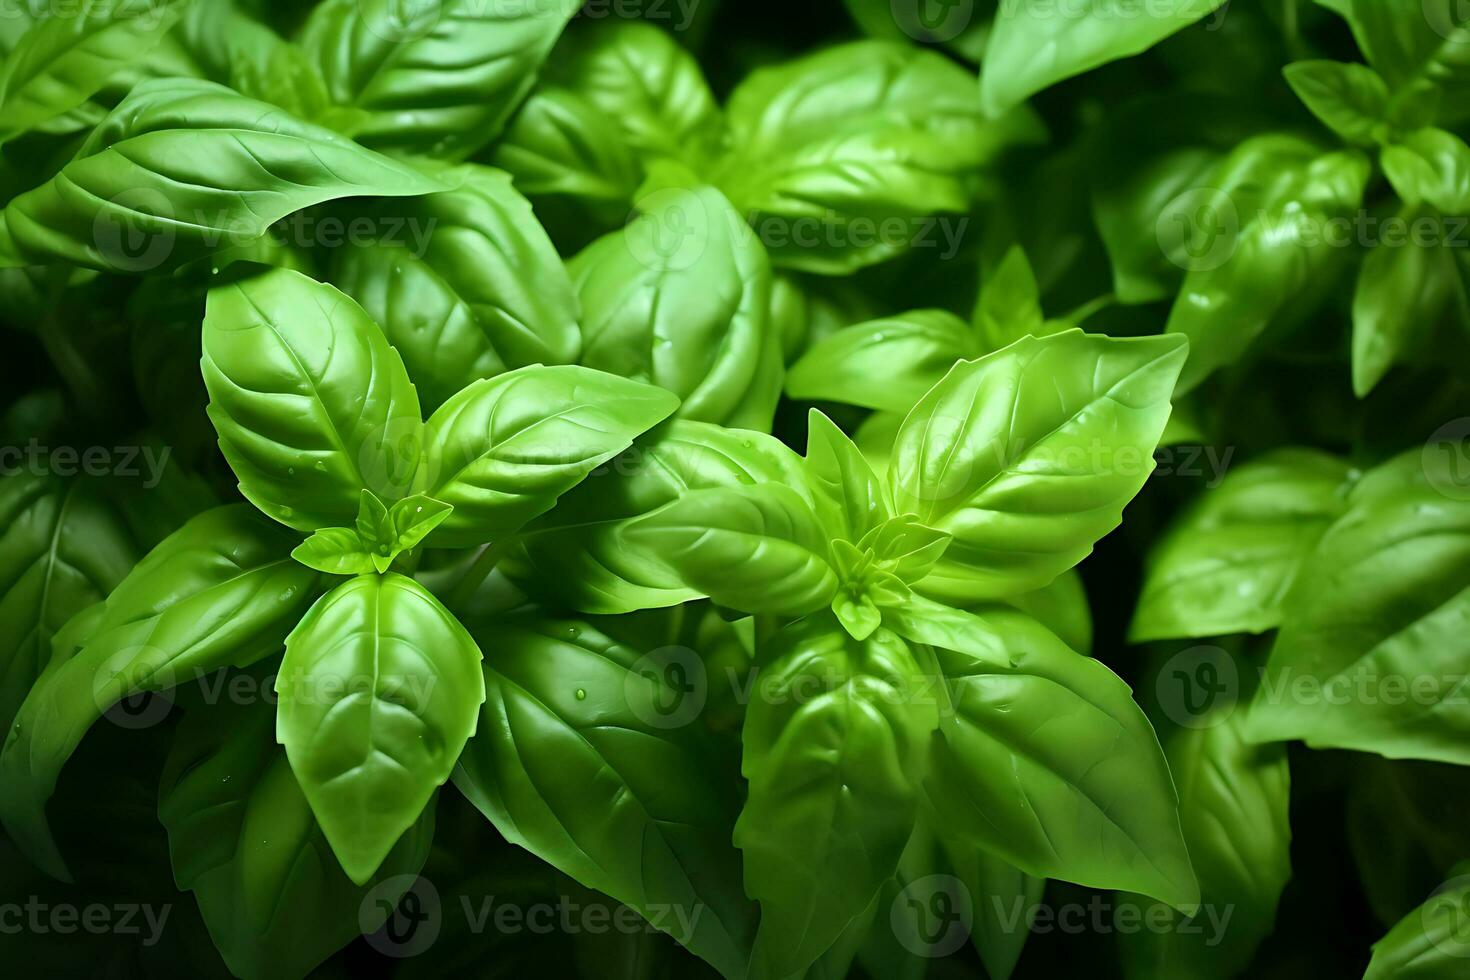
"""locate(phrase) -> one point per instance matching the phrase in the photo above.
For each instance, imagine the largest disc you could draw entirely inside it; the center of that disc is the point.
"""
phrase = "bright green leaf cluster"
(465, 459)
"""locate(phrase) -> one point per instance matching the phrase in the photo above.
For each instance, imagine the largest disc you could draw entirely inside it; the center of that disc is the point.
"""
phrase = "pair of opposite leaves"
(319, 421)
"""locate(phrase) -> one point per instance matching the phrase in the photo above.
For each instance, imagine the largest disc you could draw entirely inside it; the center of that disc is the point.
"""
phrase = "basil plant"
(638, 490)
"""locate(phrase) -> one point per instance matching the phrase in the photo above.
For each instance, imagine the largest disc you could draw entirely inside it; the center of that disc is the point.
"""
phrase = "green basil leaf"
(857, 611)
(63, 60)
(807, 309)
(335, 551)
(832, 148)
(1349, 99)
(379, 690)
(1152, 176)
(850, 499)
(958, 27)
(1403, 290)
(221, 591)
(1028, 455)
(759, 549)
(252, 59)
(1263, 234)
(911, 548)
(1426, 944)
(1001, 895)
(1372, 645)
(1400, 844)
(1060, 606)
(886, 364)
(502, 451)
(1068, 781)
(1009, 307)
(411, 520)
(1035, 44)
(875, 438)
(649, 85)
(436, 79)
(184, 167)
(372, 518)
(1233, 800)
(896, 948)
(67, 542)
(834, 752)
(465, 284)
(587, 755)
(1412, 45)
(311, 402)
(566, 154)
(680, 298)
(1431, 166)
(165, 340)
(1227, 562)
(579, 557)
(243, 839)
